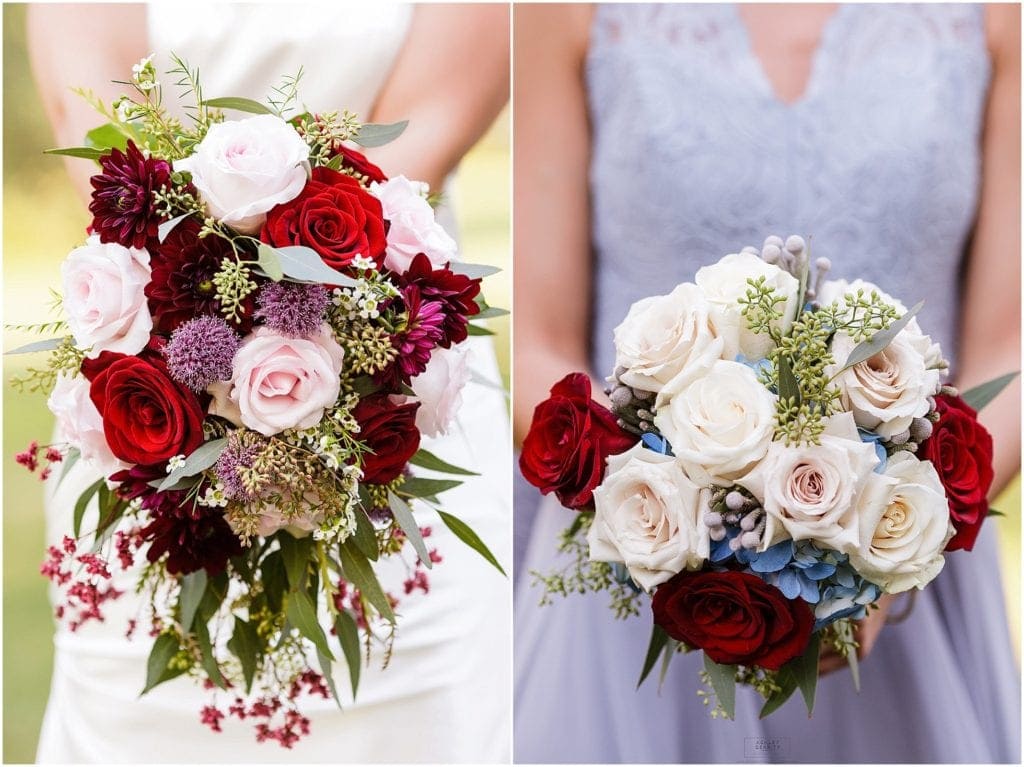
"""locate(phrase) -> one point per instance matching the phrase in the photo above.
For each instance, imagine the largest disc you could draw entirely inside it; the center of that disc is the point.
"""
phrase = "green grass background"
(43, 220)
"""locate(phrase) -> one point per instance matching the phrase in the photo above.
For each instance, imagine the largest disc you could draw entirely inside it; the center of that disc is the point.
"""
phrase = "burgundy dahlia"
(181, 286)
(122, 199)
(194, 537)
(423, 331)
(455, 292)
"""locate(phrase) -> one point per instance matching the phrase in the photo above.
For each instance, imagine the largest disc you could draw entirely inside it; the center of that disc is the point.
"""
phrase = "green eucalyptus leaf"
(788, 684)
(465, 534)
(107, 137)
(295, 552)
(865, 350)
(348, 635)
(405, 519)
(789, 388)
(69, 460)
(490, 313)
(995, 513)
(666, 658)
(357, 570)
(304, 264)
(428, 460)
(423, 487)
(83, 502)
(193, 586)
(201, 459)
(805, 670)
(328, 675)
(477, 330)
(46, 345)
(270, 262)
(981, 395)
(301, 613)
(364, 537)
(723, 682)
(658, 641)
(377, 134)
(81, 152)
(246, 646)
(239, 104)
(206, 656)
(275, 580)
(473, 271)
(165, 228)
(164, 649)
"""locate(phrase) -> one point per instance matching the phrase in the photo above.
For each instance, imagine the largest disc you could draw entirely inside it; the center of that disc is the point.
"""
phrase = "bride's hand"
(866, 633)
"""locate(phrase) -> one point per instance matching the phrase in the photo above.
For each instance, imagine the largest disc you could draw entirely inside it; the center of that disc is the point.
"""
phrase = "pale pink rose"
(439, 390)
(283, 383)
(412, 226)
(243, 168)
(80, 425)
(104, 297)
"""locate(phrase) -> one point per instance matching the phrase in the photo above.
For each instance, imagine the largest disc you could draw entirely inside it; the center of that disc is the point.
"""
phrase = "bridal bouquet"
(780, 452)
(257, 330)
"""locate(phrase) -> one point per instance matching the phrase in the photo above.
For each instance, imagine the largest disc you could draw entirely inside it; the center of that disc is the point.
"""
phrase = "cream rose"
(104, 297)
(280, 383)
(412, 228)
(724, 283)
(648, 517)
(720, 424)
(666, 341)
(243, 168)
(810, 491)
(888, 391)
(439, 390)
(80, 425)
(904, 518)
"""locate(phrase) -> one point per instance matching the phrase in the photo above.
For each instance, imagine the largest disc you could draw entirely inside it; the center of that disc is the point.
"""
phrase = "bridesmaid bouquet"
(780, 452)
(258, 329)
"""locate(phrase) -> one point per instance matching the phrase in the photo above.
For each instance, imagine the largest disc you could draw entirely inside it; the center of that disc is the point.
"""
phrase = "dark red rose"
(356, 164)
(334, 216)
(147, 416)
(568, 442)
(192, 536)
(456, 293)
(961, 450)
(181, 287)
(389, 430)
(122, 200)
(733, 617)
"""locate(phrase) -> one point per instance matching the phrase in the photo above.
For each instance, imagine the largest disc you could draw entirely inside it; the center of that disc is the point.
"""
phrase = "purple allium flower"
(293, 309)
(200, 352)
(239, 453)
(122, 199)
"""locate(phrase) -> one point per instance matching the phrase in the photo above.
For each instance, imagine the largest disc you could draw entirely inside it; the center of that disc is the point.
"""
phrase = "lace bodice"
(693, 155)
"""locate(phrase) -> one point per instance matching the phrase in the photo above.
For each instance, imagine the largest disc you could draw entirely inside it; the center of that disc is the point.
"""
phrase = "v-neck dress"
(877, 163)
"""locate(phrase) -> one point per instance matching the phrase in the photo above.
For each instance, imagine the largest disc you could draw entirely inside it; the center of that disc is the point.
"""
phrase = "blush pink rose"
(412, 228)
(280, 383)
(439, 390)
(80, 425)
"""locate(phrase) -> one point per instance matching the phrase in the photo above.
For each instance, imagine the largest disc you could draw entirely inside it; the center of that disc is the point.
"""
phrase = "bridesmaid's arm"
(450, 81)
(551, 211)
(990, 329)
(76, 45)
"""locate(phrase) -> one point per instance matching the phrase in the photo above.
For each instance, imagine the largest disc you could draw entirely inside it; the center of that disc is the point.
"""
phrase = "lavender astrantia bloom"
(201, 351)
(293, 309)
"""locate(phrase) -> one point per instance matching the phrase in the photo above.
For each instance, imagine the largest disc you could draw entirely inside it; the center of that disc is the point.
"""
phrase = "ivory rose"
(810, 491)
(720, 424)
(665, 341)
(243, 168)
(904, 519)
(439, 389)
(104, 297)
(648, 517)
(724, 283)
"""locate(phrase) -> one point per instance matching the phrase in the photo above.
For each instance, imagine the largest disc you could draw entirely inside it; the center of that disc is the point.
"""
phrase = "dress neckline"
(826, 39)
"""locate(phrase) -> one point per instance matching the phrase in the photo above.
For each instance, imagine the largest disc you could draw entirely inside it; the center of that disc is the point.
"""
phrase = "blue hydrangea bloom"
(756, 365)
(657, 443)
(875, 440)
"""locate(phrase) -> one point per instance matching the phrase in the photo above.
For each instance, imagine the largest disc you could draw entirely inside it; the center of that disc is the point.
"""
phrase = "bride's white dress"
(446, 695)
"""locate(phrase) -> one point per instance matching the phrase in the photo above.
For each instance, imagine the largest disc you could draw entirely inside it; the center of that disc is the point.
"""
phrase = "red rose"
(356, 164)
(568, 442)
(334, 216)
(389, 430)
(147, 416)
(733, 617)
(960, 449)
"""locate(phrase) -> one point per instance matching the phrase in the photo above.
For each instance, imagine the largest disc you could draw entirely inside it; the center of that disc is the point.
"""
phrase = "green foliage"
(760, 308)
(466, 534)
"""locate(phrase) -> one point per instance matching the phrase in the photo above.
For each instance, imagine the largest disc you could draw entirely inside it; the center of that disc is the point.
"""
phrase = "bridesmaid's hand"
(866, 632)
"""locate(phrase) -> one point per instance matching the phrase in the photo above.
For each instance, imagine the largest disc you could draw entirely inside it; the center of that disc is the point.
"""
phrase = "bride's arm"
(551, 211)
(990, 329)
(450, 81)
(82, 45)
